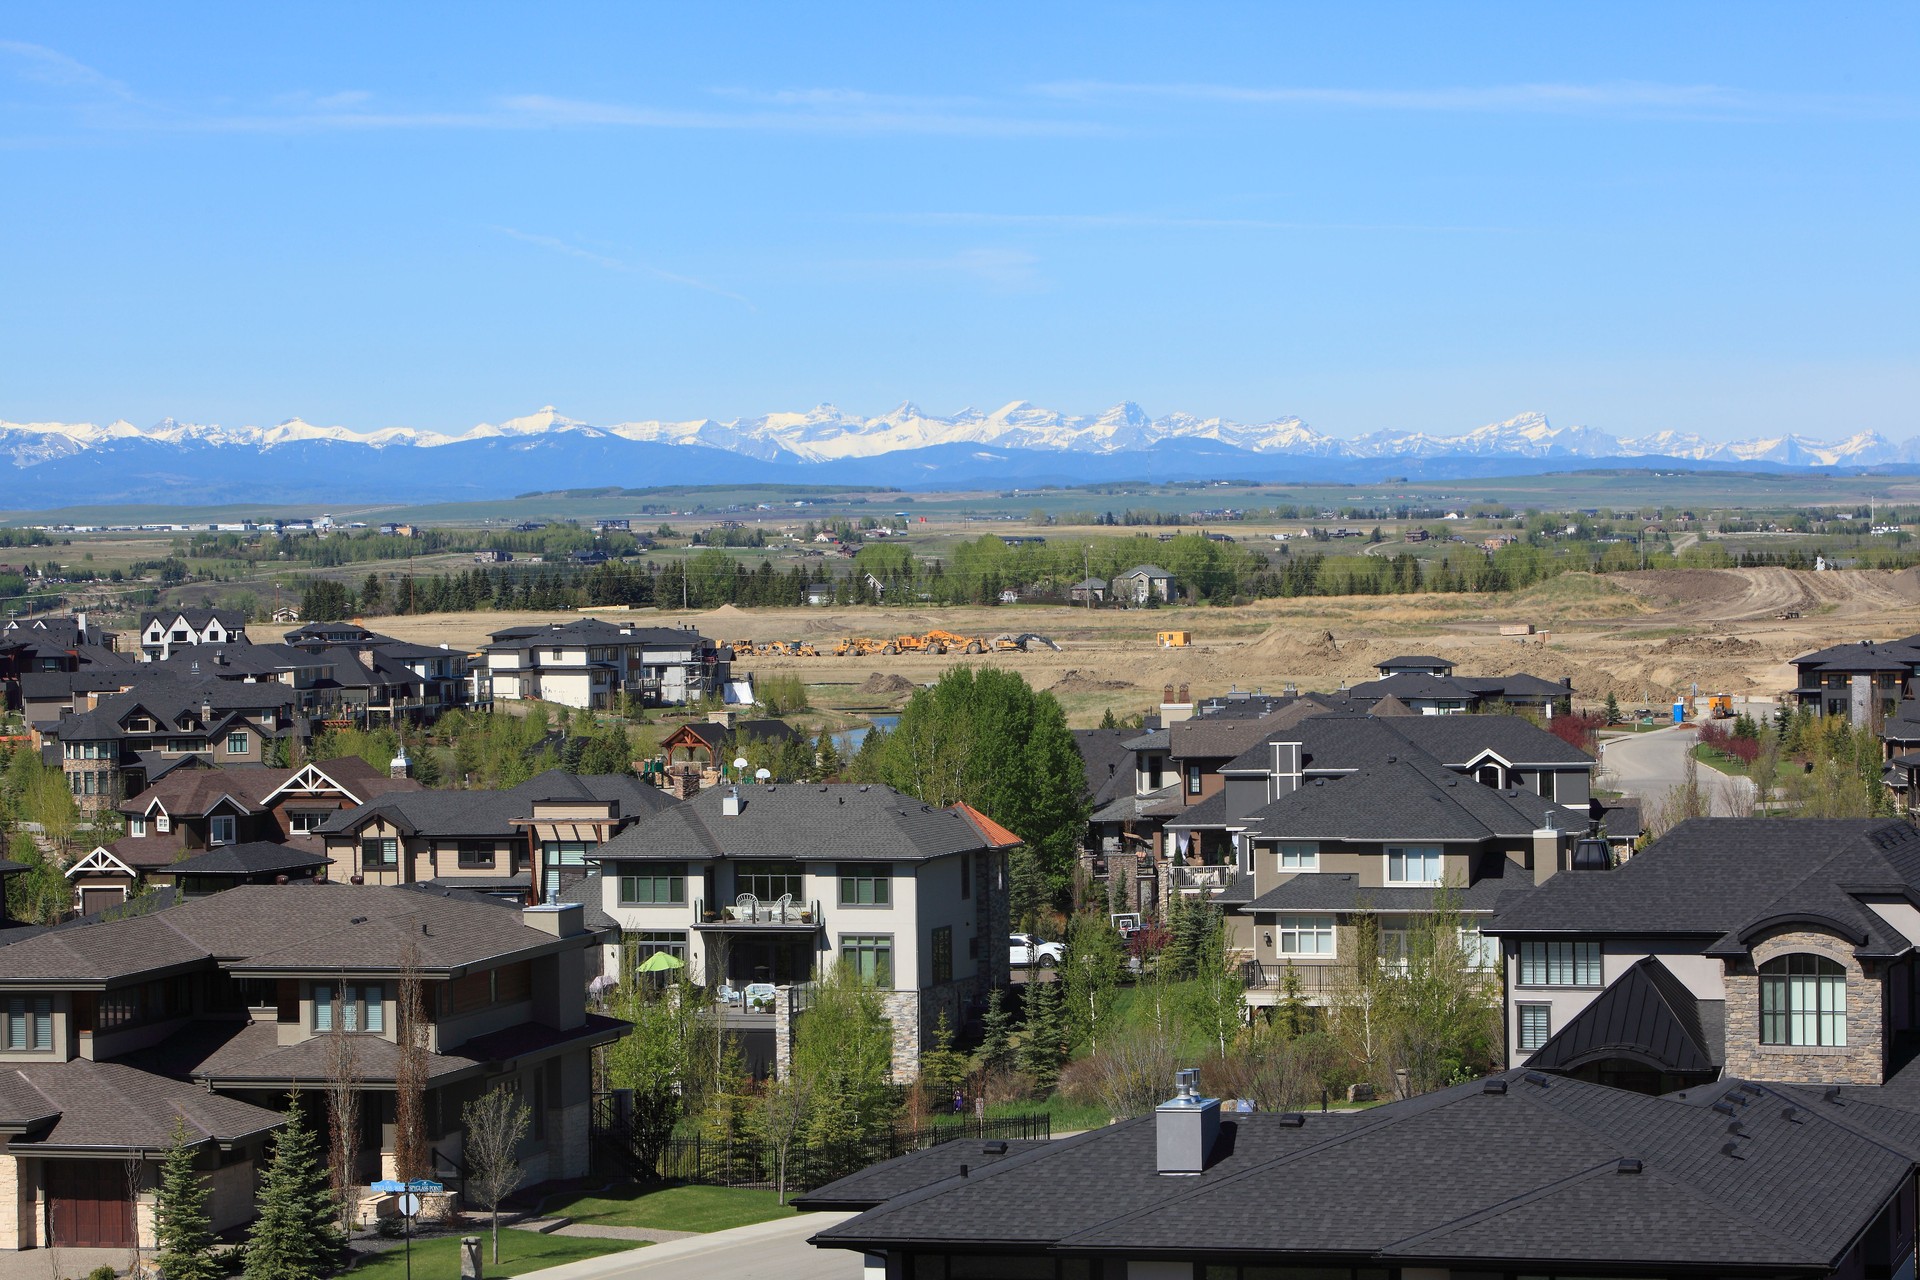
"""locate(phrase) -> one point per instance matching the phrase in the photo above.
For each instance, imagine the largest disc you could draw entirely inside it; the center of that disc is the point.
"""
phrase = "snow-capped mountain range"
(1019, 441)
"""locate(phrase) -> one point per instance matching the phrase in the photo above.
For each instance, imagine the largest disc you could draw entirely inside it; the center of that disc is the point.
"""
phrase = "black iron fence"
(742, 1160)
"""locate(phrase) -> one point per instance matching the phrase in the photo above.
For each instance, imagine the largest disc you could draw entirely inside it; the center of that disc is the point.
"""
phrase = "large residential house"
(590, 663)
(1358, 817)
(41, 649)
(195, 808)
(1142, 583)
(1864, 681)
(164, 634)
(1522, 1174)
(772, 885)
(518, 844)
(1762, 949)
(1428, 685)
(209, 1011)
(377, 677)
(128, 740)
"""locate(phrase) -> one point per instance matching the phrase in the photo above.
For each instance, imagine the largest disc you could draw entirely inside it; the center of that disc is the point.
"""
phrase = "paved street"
(766, 1251)
(1648, 766)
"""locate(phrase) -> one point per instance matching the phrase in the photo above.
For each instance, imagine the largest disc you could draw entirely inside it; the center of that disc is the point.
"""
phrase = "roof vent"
(1833, 1095)
(1628, 1165)
(1494, 1086)
(358, 920)
(1724, 1108)
(1292, 1120)
(1736, 1129)
(963, 1171)
(1793, 1115)
(993, 1148)
(1319, 782)
(1732, 1149)
(1535, 1077)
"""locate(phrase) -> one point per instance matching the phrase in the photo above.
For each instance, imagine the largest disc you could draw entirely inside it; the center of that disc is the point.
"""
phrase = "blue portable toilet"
(1679, 712)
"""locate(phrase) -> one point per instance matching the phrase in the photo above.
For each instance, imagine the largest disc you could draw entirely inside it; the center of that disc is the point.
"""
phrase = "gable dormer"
(1491, 769)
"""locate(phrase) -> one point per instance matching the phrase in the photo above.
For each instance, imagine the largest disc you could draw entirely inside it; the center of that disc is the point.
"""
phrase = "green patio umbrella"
(660, 962)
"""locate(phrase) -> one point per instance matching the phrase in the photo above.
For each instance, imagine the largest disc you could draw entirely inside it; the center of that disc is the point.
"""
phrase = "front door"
(90, 1203)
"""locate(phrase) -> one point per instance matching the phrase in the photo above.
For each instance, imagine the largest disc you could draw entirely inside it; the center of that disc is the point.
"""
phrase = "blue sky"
(1424, 216)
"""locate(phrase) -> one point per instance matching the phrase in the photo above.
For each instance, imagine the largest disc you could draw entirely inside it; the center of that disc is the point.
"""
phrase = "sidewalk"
(776, 1250)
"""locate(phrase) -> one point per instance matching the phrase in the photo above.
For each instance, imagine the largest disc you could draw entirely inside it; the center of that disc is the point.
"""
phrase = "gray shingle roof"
(881, 1182)
(1517, 1179)
(256, 857)
(843, 821)
(1714, 876)
(1400, 800)
(117, 1106)
(1340, 891)
(491, 813)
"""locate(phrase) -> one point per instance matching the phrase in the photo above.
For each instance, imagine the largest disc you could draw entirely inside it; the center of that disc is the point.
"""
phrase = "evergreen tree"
(1107, 721)
(180, 1223)
(996, 1040)
(1046, 1043)
(294, 1237)
(828, 763)
(1613, 709)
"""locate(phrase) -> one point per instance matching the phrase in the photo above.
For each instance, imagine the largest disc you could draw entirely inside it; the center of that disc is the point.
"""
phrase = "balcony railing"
(747, 911)
(1315, 980)
(1185, 877)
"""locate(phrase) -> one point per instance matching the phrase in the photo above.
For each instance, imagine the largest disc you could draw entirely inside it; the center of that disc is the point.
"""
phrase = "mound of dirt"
(1716, 646)
(1074, 680)
(726, 613)
(885, 684)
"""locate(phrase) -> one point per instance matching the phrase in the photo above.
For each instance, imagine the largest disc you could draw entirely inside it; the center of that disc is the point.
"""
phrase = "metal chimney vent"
(1186, 1127)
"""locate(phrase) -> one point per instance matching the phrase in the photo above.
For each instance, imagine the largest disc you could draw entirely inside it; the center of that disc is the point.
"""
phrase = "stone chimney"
(400, 766)
(1186, 1127)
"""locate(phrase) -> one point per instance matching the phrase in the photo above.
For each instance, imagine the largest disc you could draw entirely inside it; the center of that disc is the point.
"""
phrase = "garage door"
(92, 900)
(91, 1205)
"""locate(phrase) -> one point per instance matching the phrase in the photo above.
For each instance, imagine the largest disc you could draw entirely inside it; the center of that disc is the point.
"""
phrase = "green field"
(679, 1208)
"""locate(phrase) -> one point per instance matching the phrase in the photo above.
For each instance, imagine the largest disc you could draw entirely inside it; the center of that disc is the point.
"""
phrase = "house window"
(966, 877)
(29, 1023)
(475, 855)
(1193, 779)
(136, 826)
(350, 1007)
(654, 886)
(1480, 951)
(871, 958)
(304, 822)
(163, 823)
(770, 881)
(1548, 784)
(651, 942)
(943, 953)
(1154, 781)
(1413, 864)
(555, 854)
(379, 851)
(1535, 1025)
(1560, 964)
(220, 829)
(1304, 936)
(1299, 855)
(237, 743)
(867, 886)
(1803, 1001)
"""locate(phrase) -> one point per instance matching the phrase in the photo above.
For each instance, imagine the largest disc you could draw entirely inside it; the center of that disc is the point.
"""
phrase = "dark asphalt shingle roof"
(1714, 876)
(1523, 1177)
(256, 857)
(491, 813)
(843, 821)
(1334, 891)
(115, 1105)
(878, 1183)
(1401, 800)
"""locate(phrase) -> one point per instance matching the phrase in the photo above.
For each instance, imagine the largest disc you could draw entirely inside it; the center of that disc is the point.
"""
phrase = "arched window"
(1803, 1001)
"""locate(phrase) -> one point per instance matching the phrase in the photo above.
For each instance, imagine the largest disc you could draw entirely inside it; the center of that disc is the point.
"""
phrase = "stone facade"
(1863, 1058)
(902, 1009)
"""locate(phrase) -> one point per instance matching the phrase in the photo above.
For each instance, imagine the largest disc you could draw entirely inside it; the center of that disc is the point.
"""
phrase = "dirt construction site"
(1643, 637)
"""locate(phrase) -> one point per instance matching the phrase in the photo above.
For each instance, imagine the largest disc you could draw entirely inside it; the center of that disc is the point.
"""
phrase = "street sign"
(409, 1205)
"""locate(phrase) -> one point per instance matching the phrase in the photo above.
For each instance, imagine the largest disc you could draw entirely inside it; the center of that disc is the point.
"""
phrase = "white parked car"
(1027, 950)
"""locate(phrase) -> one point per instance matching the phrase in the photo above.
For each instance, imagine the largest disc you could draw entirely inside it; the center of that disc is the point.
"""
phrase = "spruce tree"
(180, 1223)
(996, 1038)
(1046, 1035)
(294, 1237)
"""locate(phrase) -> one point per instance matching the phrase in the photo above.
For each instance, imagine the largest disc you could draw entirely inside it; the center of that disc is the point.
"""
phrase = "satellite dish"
(761, 775)
(739, 762)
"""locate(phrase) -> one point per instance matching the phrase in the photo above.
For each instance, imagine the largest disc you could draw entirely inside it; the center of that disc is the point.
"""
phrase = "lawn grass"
(1066, 1117)
(1719, 761)
(439, 1259)
(672, 1208)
